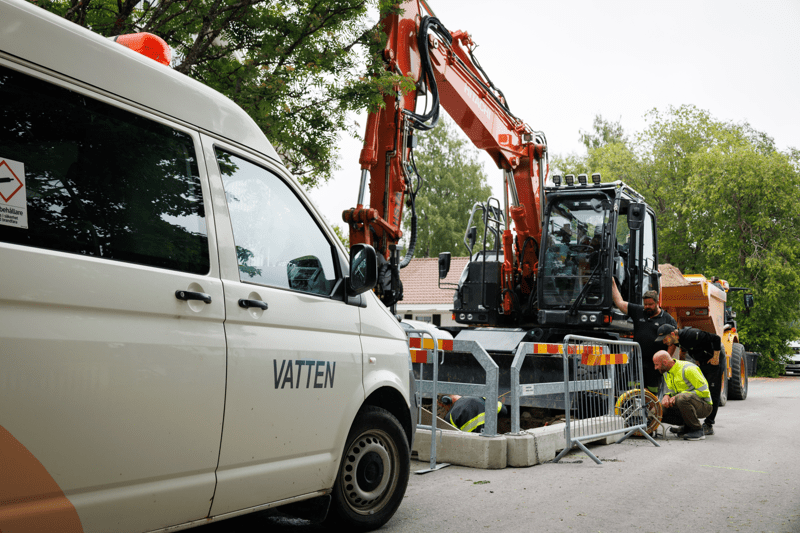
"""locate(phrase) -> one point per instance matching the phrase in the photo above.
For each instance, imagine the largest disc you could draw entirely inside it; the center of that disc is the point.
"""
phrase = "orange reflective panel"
(30, 499)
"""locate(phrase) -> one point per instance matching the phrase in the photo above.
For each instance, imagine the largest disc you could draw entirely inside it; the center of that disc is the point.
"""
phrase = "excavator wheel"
(738, 382)
(627, 407)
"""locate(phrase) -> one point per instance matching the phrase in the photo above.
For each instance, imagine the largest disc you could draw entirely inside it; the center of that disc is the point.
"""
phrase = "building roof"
(421, 280)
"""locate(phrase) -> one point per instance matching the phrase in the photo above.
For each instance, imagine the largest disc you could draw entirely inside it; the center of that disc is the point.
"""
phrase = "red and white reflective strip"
(574, 349)
(604, 359)
(590, 355)
(421, 349)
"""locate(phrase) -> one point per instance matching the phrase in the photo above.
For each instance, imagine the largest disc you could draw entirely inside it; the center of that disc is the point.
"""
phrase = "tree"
(726, 203)
(748, 200)
(296, 66)
(343, 236)
(453, 180)
(605, 133)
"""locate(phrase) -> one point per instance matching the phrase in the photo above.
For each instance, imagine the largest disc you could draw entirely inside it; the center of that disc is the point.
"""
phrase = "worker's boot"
(694, 434)
(708, 429)
(679, 430)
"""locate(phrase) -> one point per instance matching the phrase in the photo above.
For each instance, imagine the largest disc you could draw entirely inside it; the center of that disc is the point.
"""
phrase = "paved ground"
(745, 478)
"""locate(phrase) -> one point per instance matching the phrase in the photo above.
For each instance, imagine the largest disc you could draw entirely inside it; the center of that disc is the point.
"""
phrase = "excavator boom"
(446, 72)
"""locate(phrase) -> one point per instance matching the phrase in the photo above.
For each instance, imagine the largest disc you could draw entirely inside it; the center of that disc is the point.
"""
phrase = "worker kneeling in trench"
(467, 413)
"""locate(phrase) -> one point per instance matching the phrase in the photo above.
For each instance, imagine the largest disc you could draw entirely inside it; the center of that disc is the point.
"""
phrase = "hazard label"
(13, 196)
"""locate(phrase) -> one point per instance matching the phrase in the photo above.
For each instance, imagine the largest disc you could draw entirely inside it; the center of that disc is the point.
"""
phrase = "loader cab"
(591, 233)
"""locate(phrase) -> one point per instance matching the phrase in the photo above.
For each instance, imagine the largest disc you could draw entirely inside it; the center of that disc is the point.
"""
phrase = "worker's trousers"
(713, 374)
(692, 408)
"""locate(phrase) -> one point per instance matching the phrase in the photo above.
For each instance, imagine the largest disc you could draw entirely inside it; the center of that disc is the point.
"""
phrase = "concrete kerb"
(527, 448)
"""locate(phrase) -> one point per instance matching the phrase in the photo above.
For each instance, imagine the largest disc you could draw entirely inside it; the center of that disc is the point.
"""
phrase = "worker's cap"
(664, 330)
(446, 400)
(653, 295)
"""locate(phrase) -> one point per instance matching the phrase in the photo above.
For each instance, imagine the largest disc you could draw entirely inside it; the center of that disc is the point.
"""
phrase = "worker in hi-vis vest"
(688, 393)
(467, 413)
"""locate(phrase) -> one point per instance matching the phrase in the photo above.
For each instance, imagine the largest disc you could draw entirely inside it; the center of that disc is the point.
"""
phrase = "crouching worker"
(688, 396)
(467, 413)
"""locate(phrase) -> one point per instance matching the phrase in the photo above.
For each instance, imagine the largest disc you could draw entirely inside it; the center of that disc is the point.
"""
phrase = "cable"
(412, 195)
(428, 120)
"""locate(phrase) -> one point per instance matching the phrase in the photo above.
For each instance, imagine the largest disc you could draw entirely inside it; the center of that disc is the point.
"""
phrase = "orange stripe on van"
(30, 499)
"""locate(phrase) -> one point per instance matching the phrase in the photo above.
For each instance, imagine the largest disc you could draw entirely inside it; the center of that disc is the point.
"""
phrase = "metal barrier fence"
(605, 396)
(425, 350)
(600, 391)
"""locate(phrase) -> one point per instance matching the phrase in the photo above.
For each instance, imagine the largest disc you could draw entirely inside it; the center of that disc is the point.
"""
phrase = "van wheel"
(374, 471)
(738, 382)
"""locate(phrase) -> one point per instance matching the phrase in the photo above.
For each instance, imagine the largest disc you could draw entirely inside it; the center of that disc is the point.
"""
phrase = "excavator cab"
(590, 233)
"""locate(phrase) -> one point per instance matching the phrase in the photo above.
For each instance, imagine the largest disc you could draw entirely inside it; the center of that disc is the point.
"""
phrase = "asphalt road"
(744, 478)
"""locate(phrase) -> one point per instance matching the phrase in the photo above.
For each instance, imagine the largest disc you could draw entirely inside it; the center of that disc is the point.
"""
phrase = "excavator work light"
(596, 178)
(557, 180)
(582, 179)
(570, 179)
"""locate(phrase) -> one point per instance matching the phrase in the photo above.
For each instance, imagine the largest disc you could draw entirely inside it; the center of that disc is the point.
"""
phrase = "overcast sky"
(561, 62)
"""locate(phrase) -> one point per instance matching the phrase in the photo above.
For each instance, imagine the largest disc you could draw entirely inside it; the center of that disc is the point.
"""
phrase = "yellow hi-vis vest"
(687, 377)
(475, 422)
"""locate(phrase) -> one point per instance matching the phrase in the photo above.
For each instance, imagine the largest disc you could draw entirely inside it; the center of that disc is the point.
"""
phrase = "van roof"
(82, 55)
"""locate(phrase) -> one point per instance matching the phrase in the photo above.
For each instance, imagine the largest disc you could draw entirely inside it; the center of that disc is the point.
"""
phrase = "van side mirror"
(363, 269)
(444, 264)
(636, 214)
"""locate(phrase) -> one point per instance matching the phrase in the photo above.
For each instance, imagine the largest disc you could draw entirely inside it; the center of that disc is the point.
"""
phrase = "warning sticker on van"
(13, 195)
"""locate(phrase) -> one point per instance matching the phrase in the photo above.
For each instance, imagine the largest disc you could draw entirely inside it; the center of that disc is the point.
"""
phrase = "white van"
(182, 338)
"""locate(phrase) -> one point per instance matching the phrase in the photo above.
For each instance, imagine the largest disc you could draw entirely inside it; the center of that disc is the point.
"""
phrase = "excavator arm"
(447, 74)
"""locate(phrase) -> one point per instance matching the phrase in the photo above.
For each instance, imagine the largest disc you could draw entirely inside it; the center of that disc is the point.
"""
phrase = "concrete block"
(549, 441)
(464, 449)
(522, 450)
(531, 447)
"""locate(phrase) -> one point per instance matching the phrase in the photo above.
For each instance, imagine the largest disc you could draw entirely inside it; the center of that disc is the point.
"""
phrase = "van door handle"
(253, 303)
(189, 295)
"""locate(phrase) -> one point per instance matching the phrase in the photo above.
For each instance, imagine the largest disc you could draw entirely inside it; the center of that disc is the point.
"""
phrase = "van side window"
(278, 243)
(101, 181)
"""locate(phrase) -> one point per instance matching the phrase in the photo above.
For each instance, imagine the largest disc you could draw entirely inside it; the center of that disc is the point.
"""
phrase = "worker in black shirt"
(647, 318)
(704, 348)
(467, 413)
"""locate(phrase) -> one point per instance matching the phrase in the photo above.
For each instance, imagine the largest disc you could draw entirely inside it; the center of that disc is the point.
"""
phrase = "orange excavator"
(447, 74)
(547, 255)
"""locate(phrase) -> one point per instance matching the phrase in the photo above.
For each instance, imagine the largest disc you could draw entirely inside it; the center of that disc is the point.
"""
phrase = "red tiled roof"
(421, 280)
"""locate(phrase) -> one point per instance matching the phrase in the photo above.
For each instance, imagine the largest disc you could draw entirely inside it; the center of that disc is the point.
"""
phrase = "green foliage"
(453, 180)
(344, 237)
(296, 66)
(605, 133)
(727, 204)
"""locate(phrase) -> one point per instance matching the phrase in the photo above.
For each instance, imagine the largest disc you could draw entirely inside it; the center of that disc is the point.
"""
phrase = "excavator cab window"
(573, 245)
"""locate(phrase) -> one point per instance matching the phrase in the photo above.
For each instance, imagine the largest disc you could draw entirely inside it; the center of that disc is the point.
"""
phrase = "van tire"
(373, 473)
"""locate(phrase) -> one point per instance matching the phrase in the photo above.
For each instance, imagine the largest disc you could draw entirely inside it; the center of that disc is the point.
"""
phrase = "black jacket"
(699, 344)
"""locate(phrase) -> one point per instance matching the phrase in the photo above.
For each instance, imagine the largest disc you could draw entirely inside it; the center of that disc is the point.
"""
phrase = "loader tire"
(738, 381)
